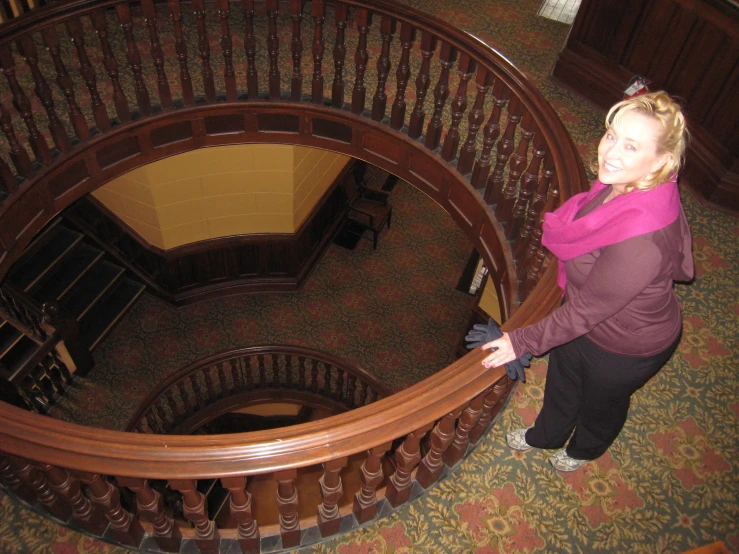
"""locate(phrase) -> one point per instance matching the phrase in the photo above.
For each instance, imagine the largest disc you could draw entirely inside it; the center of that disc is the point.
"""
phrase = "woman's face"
(629, 150)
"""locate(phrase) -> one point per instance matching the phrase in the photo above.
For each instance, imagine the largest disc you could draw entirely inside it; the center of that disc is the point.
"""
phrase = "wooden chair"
(367, 207)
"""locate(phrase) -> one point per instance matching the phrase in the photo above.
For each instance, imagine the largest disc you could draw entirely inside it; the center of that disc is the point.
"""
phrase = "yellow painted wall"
(222, 191)
(489, 302)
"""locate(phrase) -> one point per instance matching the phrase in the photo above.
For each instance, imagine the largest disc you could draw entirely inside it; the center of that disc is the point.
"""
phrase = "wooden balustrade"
(129, 110)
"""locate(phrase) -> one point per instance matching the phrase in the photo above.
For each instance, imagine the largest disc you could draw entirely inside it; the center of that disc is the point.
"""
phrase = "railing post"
(195, 509)
(406, 459)
(150, 507)
(36, 481)
(331, 492)
(432, 464)
(240, 507)
(371, 476)
(467, 421)
(84, 512)
(490, 408)
(287, 504)
(9, 478)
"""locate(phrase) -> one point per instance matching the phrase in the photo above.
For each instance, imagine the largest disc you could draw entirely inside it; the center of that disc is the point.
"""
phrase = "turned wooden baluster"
(467, 67)
(13, 482)
(288, 371)
(341, 12)
(537, 254)
(506, 208)
(432, 464)
(331, 492)
(199, 393)
(406, 459)
(407, 36)
(172, 404)
(247, 366)
(83, 511)
(340, 380)
(134, 58)
(273, 49)
(157, 56)
(351, 391)
(7, 179)
(447, 57)
(536, 206)
(195, 509)
(287, 504)
(27, 48)
(100, 23)
(359, 92)
(505, 149)
(483, 82)
(317, 49)
(387, 29)
(107, 499)
(180, 48)
(313, 375)
(163, 417)
(527, 187)
(371, 476)
(490, 133)
(469, 418)
(23, 106)
(250, 48)
(229, 74)
(296, 49)
(225, 387)
(275, 371)
(262, 372)
(77, 36)
(36, 481)
(490, 408)
(17, 153)
(301, 372)
(240, 508)
(423, 80)
(198, 7)
(210, 385)
(150, 507)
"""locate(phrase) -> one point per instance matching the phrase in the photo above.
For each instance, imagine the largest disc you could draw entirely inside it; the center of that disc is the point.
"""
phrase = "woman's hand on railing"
(502, 352)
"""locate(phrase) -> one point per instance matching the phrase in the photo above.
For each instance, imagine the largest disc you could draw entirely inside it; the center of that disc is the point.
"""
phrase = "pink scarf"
(627, 215)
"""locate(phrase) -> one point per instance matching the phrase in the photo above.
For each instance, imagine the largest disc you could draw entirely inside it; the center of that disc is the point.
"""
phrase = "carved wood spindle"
(432, 464)
(351, 391)
(134, 58)
(229, 74)
(195, 509)
(296, 49)
(199, 393)
(172, 404)
(371, 476)
(13, 482)
(536, 207)
(483, 82)
(331, 492)
(317, 49)
(406, 459)
(301, 372)
(341, 13)
(163, 417)
(535, 262)
(250, 49)
(490, 133)
(224, 386)
(27, 48)
(77, 36)
(126, 528)
(423, 80)
(240, 509)
(68, 487)
(37, 482)
(198, 7)
(23, 106)
(262, 372)
(407, 36)
(528, 182)
(490, 408)
(505, 149)
(467, 67)
(313, 375)
(273, 49)
(7, 179)
(359, 92)
(275, 370)
(287, 504)
(18, 154)
(210, 383)
(100, 23)
(247, 365)
(447, 57)
(470, 416)
(288, 371)
(387, 29)
(157, 55)
(516, 165)
(180, 48)
(340, 381)
(150, 507)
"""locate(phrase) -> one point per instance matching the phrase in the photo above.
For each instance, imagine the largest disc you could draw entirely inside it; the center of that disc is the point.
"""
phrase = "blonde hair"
(673, 141)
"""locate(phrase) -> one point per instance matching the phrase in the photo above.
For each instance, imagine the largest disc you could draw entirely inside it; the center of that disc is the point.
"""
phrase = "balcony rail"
(161, 79)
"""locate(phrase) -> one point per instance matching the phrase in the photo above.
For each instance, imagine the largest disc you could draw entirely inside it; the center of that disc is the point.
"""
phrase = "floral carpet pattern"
(668, 484)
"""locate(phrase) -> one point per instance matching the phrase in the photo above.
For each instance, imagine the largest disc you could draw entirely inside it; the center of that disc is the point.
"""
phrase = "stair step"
(16, 356)
(91, 288)
(98, 322)
(59, 280)
(29, 270)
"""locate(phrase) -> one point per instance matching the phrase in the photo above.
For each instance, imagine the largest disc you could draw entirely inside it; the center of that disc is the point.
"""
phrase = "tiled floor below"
(559, 10)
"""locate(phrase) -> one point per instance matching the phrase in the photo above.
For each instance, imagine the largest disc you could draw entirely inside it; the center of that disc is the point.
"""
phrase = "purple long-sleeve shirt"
(619, 296)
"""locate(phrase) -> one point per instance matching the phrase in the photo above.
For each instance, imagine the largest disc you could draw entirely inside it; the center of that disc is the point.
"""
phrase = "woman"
(620, 247)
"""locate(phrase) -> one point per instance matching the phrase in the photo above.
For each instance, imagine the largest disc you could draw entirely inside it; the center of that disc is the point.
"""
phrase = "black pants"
(589, 389)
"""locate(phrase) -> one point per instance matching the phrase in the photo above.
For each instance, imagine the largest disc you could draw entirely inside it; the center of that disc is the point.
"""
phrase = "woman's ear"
(660, 162)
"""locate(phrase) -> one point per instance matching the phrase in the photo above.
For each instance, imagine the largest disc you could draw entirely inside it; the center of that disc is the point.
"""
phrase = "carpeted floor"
(670, 482)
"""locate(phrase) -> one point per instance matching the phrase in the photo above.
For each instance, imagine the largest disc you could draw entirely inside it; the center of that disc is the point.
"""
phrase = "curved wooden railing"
(495, 157)
(231, 380)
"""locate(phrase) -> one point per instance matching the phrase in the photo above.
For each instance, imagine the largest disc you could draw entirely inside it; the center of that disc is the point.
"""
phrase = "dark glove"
(482, 334)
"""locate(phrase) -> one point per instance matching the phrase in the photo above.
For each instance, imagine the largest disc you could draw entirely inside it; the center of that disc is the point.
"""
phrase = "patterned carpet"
(669, 483)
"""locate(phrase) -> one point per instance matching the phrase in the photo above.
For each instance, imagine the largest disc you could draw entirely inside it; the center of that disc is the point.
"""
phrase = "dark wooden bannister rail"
(372, 79)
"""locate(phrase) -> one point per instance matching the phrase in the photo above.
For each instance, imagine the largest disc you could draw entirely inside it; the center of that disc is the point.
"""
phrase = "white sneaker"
(562, 462)
(517, 440)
